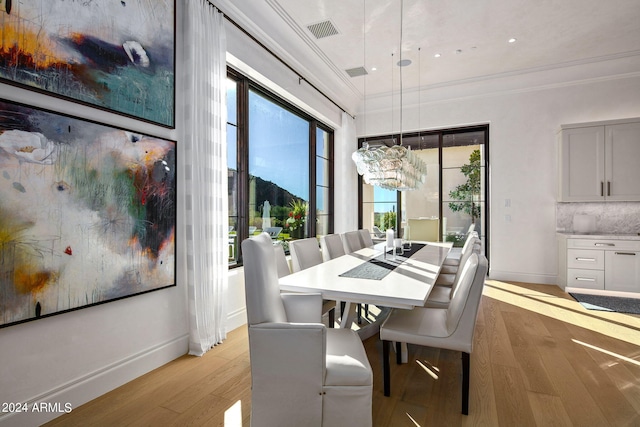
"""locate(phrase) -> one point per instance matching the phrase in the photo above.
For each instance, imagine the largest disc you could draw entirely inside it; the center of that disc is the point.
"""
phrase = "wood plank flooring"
(539, 359)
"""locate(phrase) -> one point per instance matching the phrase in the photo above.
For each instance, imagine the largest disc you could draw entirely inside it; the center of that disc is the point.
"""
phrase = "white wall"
(524, 113)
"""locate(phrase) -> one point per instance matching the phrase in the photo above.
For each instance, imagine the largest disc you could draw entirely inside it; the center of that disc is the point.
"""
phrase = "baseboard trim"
(236, 318)
(512, 276)
(92, 385)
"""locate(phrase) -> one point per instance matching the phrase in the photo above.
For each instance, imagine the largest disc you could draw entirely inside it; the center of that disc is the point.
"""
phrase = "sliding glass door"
(451, 202)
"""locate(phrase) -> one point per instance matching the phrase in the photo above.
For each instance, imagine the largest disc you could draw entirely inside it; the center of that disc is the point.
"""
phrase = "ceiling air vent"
(358, 71)
(323, 29)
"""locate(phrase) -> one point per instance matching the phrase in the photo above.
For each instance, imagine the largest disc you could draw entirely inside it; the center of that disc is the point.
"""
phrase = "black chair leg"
(332, 317)
(386, 377)
(359, 314)
(465, 383)
(399, 353)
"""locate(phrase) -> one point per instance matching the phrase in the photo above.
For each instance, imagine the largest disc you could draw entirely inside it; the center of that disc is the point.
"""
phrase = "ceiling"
(470, 36)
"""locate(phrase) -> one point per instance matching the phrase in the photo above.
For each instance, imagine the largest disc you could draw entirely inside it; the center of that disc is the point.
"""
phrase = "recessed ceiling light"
(512, 40)
(437, 55)
(458, 51)
(374, 68)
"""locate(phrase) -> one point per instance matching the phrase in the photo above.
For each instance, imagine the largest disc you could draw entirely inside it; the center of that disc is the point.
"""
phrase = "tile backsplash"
(611, 217)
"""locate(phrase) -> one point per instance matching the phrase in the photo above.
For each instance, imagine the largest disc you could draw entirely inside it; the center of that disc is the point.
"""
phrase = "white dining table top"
(407, 286)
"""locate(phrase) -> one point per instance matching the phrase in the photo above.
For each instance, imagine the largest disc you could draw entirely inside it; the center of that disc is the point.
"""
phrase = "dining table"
(374, 275)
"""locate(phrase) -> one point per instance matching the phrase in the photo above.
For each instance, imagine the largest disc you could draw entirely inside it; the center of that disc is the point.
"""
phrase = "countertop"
(599, 235)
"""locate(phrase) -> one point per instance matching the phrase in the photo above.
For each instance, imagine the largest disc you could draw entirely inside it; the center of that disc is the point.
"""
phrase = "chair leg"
(332, 317)
(386, 377)
(359, 316)
(398, 353)
(465, 383)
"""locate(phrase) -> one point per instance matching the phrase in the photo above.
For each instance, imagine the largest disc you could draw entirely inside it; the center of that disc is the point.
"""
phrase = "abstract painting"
(117, 55)
(87, 213)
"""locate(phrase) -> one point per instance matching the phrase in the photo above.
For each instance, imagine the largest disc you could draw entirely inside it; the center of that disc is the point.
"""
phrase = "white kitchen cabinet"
(622, 162)
(600, 264)
(622, 271)
(599, 161)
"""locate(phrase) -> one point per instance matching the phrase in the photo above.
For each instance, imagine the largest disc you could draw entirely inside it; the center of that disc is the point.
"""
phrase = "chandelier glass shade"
(392, 168)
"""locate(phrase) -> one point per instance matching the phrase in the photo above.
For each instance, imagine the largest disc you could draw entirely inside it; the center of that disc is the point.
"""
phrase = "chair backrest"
(282, 265)
(467, 251)
(472, 228)
(351, 241)
(469, 242)
(365, 238)
(332, 247)
(305, 253)
(463, 308)
(262, 292)
(273, 232)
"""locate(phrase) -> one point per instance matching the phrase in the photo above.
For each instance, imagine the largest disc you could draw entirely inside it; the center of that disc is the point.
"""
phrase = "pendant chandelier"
(395, 167)
(392, 168)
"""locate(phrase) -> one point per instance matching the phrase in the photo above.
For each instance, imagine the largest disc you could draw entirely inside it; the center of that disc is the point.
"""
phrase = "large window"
(280, 168)
(453, 196)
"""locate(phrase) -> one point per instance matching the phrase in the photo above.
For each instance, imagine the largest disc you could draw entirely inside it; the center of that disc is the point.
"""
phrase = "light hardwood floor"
(539, 359)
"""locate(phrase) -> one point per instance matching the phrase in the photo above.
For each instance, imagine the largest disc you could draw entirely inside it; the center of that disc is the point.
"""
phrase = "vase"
(298, 233)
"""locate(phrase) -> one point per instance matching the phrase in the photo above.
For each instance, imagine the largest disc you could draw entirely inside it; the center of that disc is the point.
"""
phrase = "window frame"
(244, 86)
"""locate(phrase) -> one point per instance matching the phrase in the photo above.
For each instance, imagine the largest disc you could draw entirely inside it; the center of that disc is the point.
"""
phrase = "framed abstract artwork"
(87, 213)
(112, 54)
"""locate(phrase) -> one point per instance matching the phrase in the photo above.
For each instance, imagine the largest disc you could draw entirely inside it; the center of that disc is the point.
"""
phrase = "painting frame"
(88, 213)
(123, 63)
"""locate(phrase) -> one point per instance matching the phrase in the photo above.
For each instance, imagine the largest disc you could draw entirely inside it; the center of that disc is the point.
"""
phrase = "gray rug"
(607, 303)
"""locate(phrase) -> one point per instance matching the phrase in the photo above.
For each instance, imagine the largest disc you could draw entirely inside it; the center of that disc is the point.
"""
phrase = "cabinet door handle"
(625, 253)
(602, 188)
(608, 188)
(586, 259)
(604, 244)
(585, 279)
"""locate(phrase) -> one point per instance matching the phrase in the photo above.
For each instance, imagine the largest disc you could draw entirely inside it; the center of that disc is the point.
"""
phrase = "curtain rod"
(300, 76)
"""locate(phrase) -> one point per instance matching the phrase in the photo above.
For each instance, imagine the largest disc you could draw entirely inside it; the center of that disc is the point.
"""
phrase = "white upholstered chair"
(351, 241)
(281, 261)
(305, 253)
(365, 238)
(440, 295)
(302, 373)
(331, 246)
(452, 263)
(449, 328)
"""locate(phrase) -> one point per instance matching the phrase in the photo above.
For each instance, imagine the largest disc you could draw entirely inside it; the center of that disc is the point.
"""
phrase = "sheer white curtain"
(346, 176)
(205, 152)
